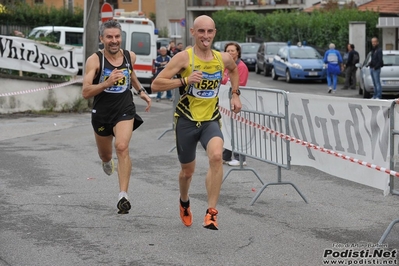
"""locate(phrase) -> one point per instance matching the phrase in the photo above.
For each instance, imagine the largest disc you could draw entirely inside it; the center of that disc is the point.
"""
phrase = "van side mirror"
(158, 45)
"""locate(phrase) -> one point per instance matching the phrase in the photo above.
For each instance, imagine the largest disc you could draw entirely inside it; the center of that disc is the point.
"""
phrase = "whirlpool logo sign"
(27, 55)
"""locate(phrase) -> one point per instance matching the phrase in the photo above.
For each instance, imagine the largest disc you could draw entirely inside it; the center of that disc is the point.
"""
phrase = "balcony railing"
(221, 3)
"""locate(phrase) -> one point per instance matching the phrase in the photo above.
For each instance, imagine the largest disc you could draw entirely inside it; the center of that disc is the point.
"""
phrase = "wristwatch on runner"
(141, 90)
(238, 92)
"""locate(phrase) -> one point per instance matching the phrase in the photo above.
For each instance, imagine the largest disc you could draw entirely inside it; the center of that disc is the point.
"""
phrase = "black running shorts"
(107, 129)
(188, 133)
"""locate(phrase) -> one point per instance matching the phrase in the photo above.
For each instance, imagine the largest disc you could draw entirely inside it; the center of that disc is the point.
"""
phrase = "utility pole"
(91, 28)
(70, 6)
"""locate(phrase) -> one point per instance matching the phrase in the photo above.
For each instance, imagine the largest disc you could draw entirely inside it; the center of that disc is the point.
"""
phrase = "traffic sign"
(106, 12)
(183, 22)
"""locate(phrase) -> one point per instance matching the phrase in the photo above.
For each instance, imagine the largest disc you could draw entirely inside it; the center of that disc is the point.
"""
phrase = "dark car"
(265, 56)
(219, 45)
(248, 54)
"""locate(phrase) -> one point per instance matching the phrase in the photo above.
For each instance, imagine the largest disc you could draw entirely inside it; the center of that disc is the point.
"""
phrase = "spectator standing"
(160, 63)
(234, 50)
(375, 67)
(333, 60)
(171, 49)
(178, 48)
(350, 68)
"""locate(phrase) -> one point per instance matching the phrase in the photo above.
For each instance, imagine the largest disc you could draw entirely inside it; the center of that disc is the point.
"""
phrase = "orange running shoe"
(185, 214)
(210, 220)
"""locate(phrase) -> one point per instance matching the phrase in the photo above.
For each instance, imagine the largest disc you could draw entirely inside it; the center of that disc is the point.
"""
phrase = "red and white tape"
(305, 143)
(5, 94)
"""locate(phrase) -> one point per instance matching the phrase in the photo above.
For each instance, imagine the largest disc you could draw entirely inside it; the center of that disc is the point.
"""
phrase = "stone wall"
(21, 95)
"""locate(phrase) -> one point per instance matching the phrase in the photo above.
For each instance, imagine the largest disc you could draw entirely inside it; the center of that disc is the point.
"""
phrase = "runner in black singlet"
(109, 78)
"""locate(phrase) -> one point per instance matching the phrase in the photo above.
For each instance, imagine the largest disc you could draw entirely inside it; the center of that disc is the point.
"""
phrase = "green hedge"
(318, 28)
(23, 14)
(24, 17)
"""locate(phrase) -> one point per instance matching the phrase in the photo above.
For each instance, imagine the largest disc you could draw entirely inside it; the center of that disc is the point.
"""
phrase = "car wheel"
(274, 75)
(265, 71)
(257, 70)
(360, 89)
(366, 94)
(288, 76)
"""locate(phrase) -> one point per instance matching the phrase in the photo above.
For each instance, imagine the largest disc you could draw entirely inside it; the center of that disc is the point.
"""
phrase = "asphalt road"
(299, 86)
(57, 207)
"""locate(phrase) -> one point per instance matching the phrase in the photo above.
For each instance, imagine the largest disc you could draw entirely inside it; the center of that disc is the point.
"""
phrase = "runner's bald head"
(203, 19)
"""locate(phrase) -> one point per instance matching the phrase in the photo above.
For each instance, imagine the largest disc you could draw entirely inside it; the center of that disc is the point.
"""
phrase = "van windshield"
(52, 36)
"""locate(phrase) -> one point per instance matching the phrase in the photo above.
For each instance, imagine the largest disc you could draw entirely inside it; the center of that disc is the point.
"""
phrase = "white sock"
(122, 194)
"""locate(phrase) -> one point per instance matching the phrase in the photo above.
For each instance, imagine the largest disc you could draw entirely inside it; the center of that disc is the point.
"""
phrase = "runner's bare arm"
(136, 84)
(92, 67)
(164, 81)
(233, 70)
(235, 82)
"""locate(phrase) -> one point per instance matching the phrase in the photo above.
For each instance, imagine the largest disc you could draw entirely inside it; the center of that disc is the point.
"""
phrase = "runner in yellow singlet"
(197, 114)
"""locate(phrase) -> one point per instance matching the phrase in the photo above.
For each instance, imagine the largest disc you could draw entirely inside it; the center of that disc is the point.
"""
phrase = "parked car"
(66, 37)
(248, 54)
(298, 62)
(219, 45)
(389, 74)
(265, 56)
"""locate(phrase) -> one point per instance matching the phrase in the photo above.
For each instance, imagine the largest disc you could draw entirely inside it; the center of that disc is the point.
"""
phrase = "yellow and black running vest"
(200, 100)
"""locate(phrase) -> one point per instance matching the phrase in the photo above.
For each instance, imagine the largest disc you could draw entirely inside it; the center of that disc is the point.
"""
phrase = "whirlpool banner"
(27, 55)
(358, 128)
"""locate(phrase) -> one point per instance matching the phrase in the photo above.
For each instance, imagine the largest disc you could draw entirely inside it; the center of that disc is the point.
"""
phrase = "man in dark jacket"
(375, 67)
(350, 68)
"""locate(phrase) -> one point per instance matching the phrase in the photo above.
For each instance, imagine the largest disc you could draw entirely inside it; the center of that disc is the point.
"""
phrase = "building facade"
(178, 19)
(147, 6)
(388, 21)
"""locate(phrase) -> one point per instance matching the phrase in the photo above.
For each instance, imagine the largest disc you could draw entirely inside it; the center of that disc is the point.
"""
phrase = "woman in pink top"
(234, 50)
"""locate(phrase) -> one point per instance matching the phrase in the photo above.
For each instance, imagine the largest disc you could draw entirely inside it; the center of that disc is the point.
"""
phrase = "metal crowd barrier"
(255, 133)
(393, 136)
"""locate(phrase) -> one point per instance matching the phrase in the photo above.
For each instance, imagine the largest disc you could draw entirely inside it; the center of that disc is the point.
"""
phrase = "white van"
(66, 37)
(138, 35)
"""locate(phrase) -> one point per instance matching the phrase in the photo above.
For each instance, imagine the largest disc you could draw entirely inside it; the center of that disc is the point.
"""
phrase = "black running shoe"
(123, 206)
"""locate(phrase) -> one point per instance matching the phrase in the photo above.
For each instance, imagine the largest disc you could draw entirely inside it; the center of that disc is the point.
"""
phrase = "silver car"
(389, 74)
